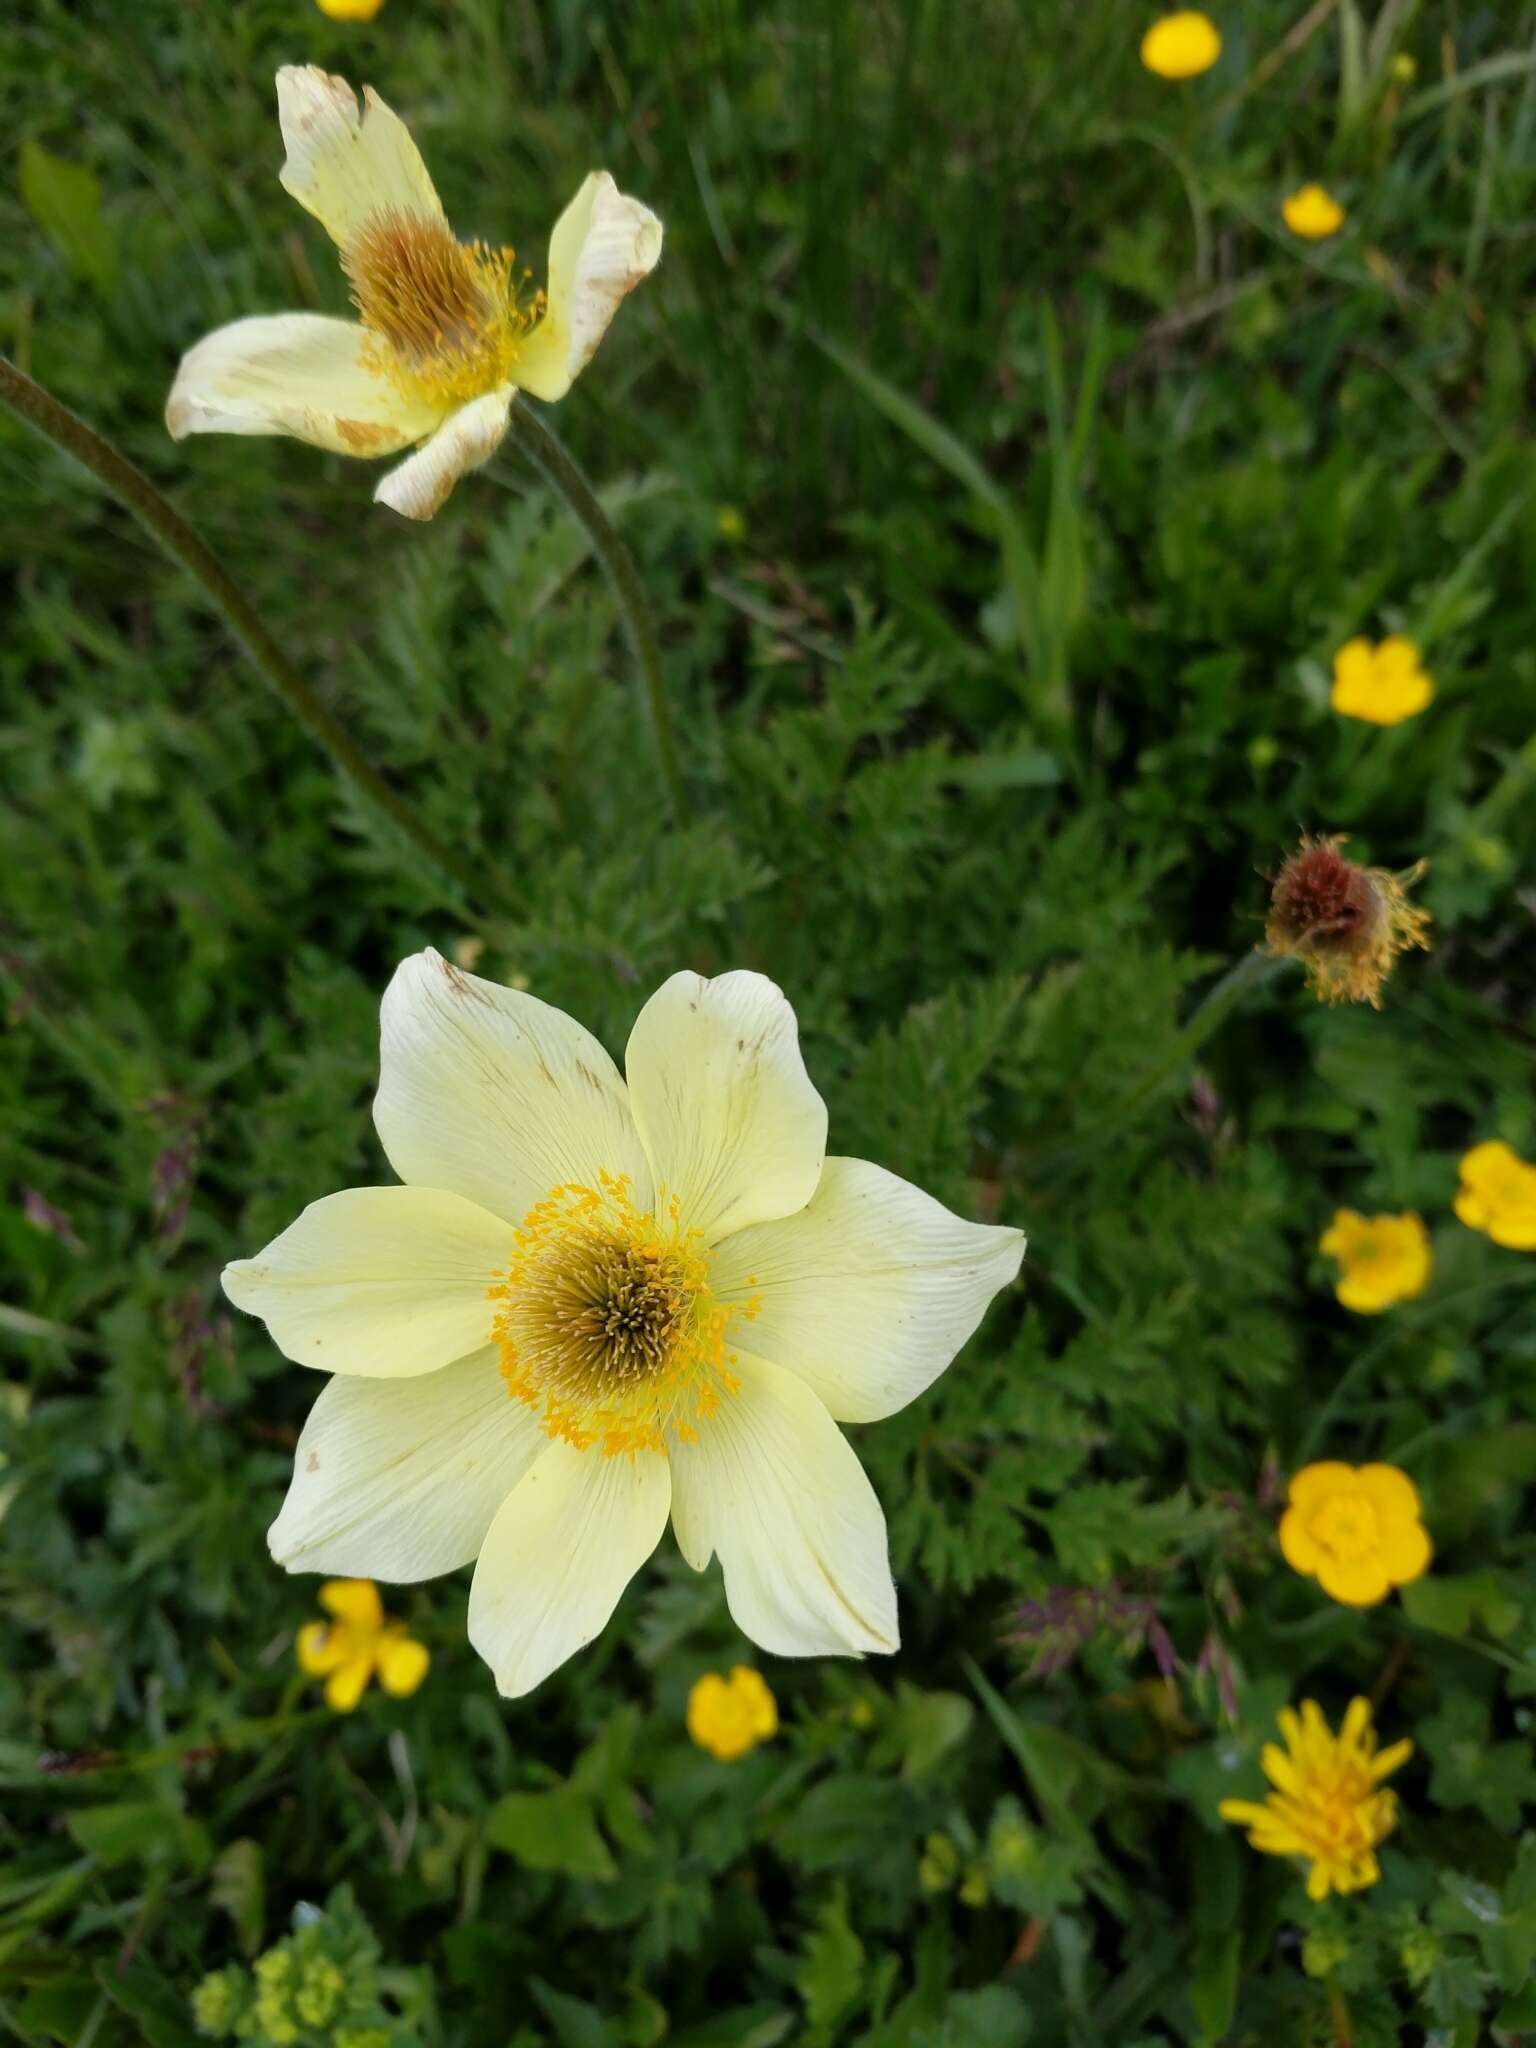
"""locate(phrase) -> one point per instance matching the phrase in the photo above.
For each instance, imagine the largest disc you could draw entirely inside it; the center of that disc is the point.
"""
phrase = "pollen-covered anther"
(606, 1324)
(1345, 923)
(443, 316)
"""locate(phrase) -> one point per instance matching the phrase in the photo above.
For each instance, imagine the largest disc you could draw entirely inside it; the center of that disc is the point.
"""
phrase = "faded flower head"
(1382, 1259)
(1356, 1530)
(447, 331)
(1345, 923)
(1383, 684)
(1312, 212)
(357, 1644)
(1328, 1804)
(1498, 1195)
(729, 1716)
(1181, 45)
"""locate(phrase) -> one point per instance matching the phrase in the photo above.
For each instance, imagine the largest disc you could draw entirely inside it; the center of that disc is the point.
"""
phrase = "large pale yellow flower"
(1329, 1804)
(595, 1304)
(446, 332)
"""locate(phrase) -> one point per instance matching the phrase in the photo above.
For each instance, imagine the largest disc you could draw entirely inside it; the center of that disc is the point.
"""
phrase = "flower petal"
(348, 1682)
(566, 1543)
(401, 1478)
(403, 1664)
(495, 1094)
(1390, 1491)
(774, 1487)
(1314, 1483)
(353, 1601)
(345, 162)
(1354, 1582)
(1298, 1546)
(603, 245)
(384, 1282)
(299, 374)
(321, 1648)
(730, 1122)
(422, 483)
(869, 1291)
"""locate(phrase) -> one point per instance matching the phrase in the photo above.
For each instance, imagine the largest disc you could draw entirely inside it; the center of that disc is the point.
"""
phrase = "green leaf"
(831, 1975)
(1213, 1984)
(576, 2023)
(139, 1830)
(1451, 1604)
(924, 1728)
(159, 2010)
(64, 199)
(555, 1830)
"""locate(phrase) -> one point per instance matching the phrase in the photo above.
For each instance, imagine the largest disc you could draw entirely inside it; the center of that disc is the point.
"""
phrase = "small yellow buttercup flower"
(358, 1643)
(446, 333)
(1382, 1259)
(350, 10)
(729, 1716)
(1498, 1195)
(1328, 1804)
(1181, 45)
(1383, 684)
(1313, 213)
(1356, 1530)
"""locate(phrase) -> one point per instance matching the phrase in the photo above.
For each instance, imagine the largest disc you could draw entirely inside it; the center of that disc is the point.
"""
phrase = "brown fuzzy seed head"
(1344, 922)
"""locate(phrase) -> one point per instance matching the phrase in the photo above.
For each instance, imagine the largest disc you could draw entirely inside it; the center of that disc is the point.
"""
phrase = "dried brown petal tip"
(1345, 923)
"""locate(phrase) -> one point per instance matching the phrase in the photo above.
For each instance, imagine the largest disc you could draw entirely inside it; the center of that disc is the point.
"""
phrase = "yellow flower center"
(443, 316)
(1346, 1524)
(607, 1326)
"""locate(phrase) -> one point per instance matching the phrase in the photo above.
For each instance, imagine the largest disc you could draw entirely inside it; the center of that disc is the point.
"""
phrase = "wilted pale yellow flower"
(1498, 1195)
(1382, 1259)
(350, 10)
(446, 333)
(1355, 1529)
(593, 1305)
(1345, 923)
(1328, 1803)
(729, 1716)
(1181, 45)
(1312, 212)
(1384, 684)
(358, 1642)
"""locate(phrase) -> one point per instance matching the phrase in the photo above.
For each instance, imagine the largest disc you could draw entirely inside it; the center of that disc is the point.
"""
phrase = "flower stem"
(550, 456)
(1252, 971)
(133, 489)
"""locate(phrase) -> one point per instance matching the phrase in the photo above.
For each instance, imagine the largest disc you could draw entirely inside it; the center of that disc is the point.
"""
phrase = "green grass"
(1063, 470)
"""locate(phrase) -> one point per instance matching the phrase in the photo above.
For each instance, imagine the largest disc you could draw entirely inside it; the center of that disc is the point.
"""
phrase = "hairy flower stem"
(133, 489)
(1251, 972)
(549, 455)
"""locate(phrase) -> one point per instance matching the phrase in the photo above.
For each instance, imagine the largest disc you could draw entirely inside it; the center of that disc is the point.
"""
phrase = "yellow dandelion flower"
(729, 1716)
(1181, 45)
(1498, 1195)
(1328, 1804)
(446, 333)
(1312, 212)
(1383, 684)
(357, 1644)
(1382, 1259)
(1356, 1530)
(350, 10)
(603, 1300)
(1345, 923)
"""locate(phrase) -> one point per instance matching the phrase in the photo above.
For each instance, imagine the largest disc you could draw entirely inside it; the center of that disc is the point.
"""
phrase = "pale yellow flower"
(447, 332)
(1382, 1259)
(1355, 1529)
(1328, 1804)
(1181, 45)
(358, 1643)
(1498, 1195)
(1383, 684)
(595, 1304)
(350, 10)
(729, 1716)
(1313, 213)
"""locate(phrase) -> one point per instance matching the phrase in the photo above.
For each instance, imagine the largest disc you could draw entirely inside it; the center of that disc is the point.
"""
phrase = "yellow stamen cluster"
(607, 1326)
(443, 316)
(1328, 1804)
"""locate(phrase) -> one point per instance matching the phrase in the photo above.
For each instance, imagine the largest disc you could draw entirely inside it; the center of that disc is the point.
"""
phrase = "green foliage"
(1056, 471)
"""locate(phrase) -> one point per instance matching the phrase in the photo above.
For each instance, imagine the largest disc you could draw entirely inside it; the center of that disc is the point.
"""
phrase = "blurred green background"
(1004, 475)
